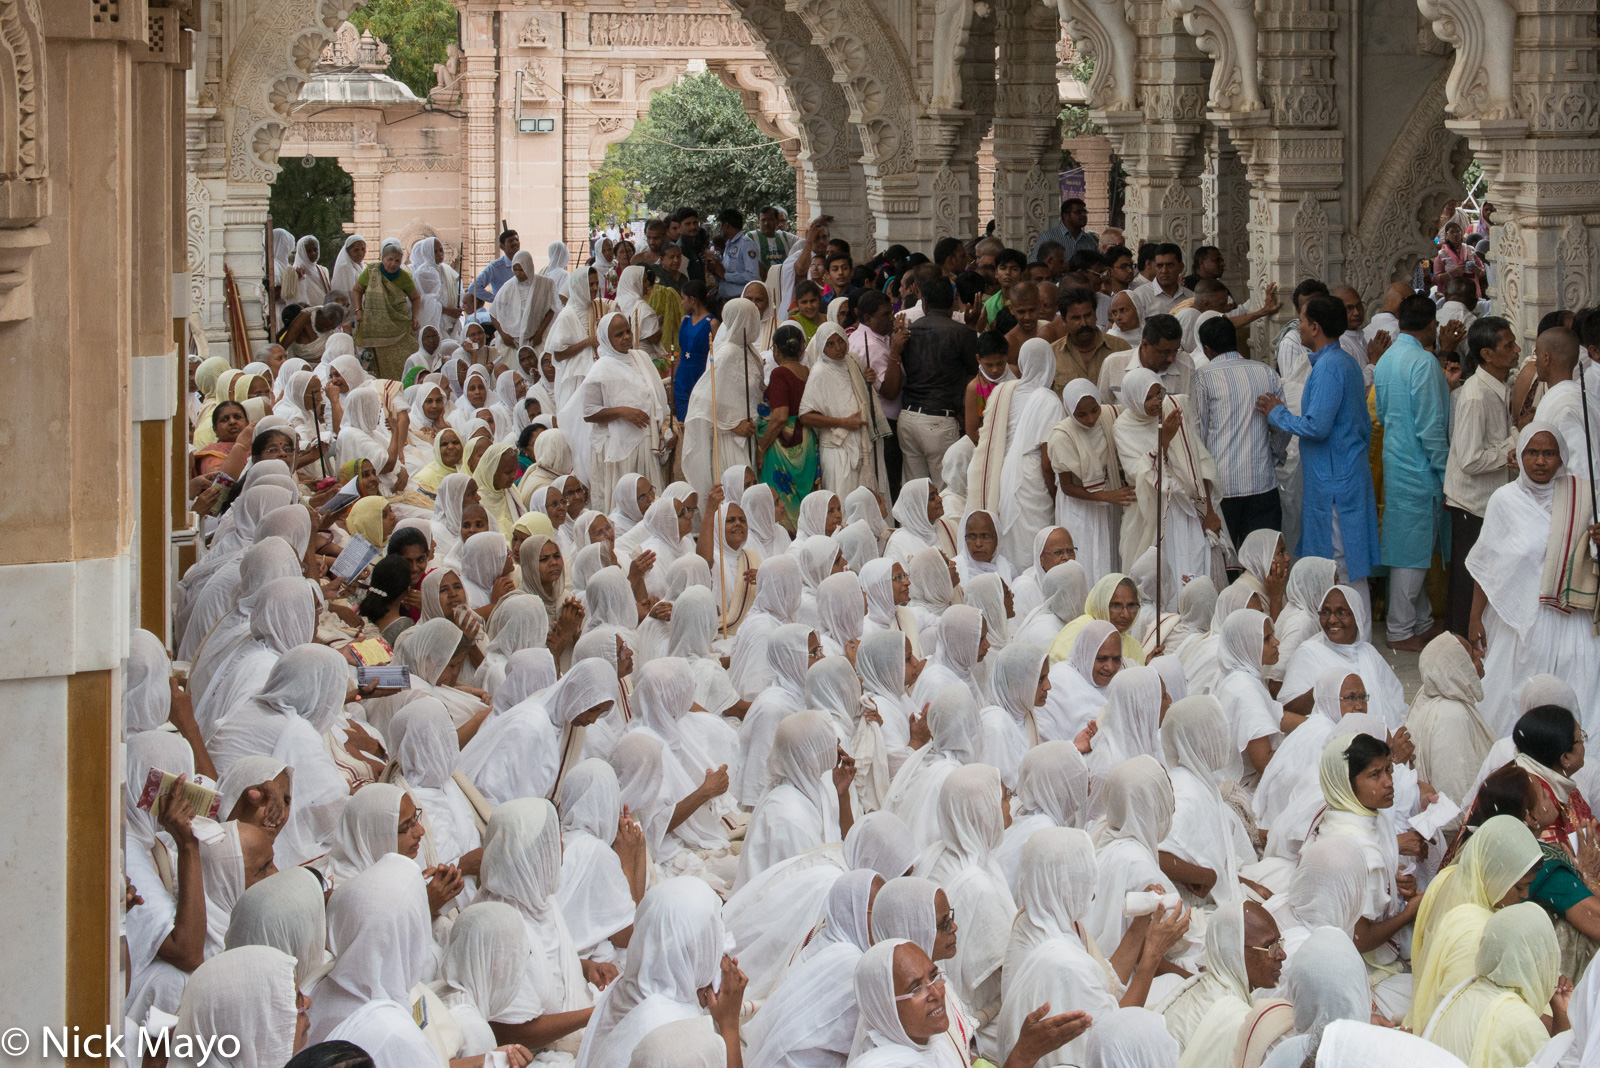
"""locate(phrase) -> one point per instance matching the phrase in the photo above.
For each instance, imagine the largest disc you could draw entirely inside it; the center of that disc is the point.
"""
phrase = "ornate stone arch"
(271, 57)
(1417, 175)
(24, 163)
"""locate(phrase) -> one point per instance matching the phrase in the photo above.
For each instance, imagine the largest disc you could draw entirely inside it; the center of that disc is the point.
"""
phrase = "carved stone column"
(1525, 93)
(479, 83)
(1271, 89)
(1027, 129)
(1225, 188)
(1148, 94)
(1093, 153)
(368, 182)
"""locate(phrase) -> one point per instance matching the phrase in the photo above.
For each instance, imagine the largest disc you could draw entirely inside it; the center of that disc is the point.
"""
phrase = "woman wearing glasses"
(1343, 643)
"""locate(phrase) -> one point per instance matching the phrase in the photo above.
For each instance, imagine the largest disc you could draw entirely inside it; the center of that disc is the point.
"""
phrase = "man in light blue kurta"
(1414, 410)
(1338, 512)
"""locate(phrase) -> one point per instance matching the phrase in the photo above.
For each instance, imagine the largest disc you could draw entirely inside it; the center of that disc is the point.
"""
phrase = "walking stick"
(1588, 443)
(1161, 454)
(716, 474)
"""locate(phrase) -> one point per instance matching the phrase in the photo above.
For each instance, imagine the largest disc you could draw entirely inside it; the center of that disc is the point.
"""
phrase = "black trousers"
(1464, 530)
(1256, 511)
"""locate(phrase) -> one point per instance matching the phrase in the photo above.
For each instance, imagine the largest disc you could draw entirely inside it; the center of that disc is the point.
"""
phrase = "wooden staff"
(716, 468)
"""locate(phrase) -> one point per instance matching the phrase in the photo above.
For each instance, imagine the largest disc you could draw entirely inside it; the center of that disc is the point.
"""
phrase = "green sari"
(385, 325)
(791, 470)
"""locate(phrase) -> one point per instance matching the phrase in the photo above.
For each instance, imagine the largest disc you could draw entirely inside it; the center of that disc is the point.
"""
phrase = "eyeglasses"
(947, 922)
(1354, 695)
(407, 826)
(922, 989)
(1335, 613)
(1270, 948)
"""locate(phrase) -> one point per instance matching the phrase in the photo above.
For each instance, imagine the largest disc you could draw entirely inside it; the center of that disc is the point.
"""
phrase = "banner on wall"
(1072, 184)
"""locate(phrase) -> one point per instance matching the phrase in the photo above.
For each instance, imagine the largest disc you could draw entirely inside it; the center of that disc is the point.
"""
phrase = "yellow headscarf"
(532, 523)
(497, 502)
(1494, 1019)
(205, 376)
(1098, 606)
(1445, 938)
(366, 519)
(433, 473)
(1333, 775)
(668, 305)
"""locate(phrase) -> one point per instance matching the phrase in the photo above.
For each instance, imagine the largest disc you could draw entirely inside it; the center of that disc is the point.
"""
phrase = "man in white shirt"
(1354, 340)
(1483, 445)
(1159, 351)
(1167, 289)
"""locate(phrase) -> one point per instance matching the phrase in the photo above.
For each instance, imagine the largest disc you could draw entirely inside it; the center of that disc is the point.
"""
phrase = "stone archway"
(248, 77)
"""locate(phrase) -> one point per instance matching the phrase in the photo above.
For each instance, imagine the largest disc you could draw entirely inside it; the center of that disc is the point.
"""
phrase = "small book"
(370, 652)
(348, 494)
(354, 559)
(158, 783)
(388, 676)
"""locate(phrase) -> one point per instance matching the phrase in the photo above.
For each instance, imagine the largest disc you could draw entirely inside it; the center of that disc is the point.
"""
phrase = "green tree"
(416, 32)
(667, 154)
(316, 200)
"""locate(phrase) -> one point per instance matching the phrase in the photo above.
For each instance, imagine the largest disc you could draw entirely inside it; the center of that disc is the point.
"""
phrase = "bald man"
(1385, 320)
(1354, 339)
(1555, 358)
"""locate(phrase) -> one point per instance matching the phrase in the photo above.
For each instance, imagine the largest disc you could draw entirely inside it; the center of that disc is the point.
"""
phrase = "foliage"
(657, 163)
(1075, 121)
(416, 32)
(610, 200)
(315, 200)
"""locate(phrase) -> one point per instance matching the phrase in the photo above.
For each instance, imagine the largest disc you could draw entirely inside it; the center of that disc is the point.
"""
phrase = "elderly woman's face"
(756, 294)
(516, 269)
(735, 527)
(367, 483)
(1338, 619)
(549, 565)
(450, 441)
(900, 582)
(477, 391)
(645, 497)
(1108, 660)
(835, 516)
(920, 982)
(474, 520)
(555, 506)
(620, 334)
(685, 511)
(451, 593)
(1124, 607)
(601, 532)
(981, 538)
(391, 260)
(505, 472)
(357, 251)
(259, 387)
(1153, 399)
(574, 497)
(475, 335)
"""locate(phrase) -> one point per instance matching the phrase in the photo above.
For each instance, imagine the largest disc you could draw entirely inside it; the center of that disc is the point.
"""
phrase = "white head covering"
(880, 841)
(1327, 981)
(484, 960)
(911, 511)
(147, 680)
(690, 1043)
(379, 932)
(248, 993)
(879, 1025)
(285, 911)
(370, 828)
(840, 610)
(1131, 1038)
(677, 948)
(519, 307)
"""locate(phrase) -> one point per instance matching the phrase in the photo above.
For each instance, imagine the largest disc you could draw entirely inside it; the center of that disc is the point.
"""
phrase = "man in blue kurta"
(1414, 410)
(1338, 512)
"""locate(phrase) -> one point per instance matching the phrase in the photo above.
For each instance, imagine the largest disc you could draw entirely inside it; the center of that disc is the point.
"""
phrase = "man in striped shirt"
(1246, 449)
